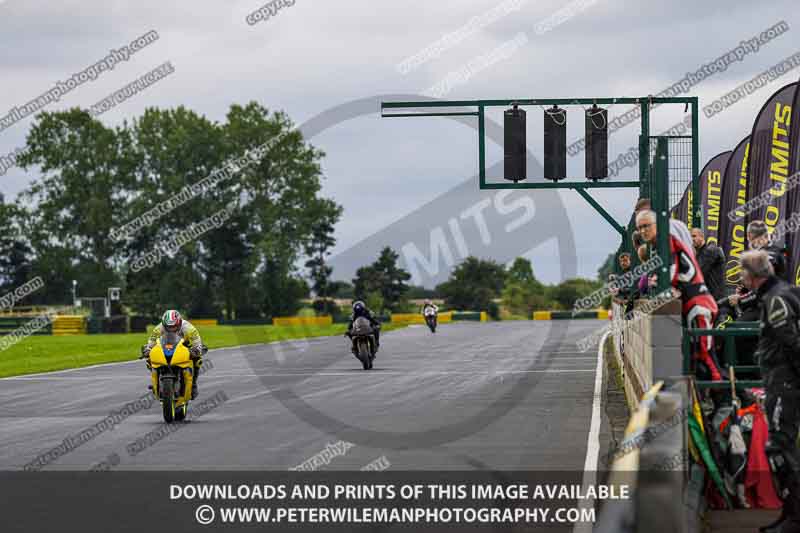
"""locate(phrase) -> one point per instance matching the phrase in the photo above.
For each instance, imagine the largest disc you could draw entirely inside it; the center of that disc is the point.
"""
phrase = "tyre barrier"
(417, 318)
(10, 324)
(479, 316)
(69, 325)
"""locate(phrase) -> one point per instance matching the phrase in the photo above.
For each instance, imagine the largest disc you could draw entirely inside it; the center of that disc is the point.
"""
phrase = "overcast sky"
(314, 55)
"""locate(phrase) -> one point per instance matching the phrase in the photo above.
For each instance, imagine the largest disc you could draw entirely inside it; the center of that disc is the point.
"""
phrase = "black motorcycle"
(363, 338)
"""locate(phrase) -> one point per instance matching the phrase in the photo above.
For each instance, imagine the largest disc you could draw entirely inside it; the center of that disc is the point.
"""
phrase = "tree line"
(94, 179)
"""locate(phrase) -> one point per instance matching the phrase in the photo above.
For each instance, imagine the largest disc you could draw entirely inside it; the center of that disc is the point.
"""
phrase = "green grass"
(45, 353)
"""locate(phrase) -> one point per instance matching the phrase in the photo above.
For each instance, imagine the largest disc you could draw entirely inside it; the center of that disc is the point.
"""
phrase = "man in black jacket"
(712, 263)
(758, 239)
(778, 354)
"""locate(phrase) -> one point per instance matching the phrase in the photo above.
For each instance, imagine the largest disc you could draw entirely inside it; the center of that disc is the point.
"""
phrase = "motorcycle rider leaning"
(778, 354)
(175, 329)
(359, 310)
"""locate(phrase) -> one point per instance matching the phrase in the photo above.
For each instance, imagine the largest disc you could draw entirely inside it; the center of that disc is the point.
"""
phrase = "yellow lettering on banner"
(713, 200)
(783, 114)
(779, 166)
(771, 217)
(737, 245)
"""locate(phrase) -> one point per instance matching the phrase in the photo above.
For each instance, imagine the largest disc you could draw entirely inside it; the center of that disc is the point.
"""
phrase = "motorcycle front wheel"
(363, 354)
(168, 402)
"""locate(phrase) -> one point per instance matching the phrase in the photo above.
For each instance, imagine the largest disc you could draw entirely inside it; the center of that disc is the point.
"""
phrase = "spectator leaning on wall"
(698, 306)
(676, 227)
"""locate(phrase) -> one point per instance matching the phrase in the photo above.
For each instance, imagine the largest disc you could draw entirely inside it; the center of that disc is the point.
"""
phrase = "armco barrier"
(140, 324)
(479, 316)
(114, 324)
(302, 320)
(602, 314)
(417, 318)
(204, 322)
(12, 323)
(244, 322)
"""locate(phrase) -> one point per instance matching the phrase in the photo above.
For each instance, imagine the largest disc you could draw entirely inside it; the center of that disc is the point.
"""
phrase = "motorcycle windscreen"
(361, 326)
(170, 342)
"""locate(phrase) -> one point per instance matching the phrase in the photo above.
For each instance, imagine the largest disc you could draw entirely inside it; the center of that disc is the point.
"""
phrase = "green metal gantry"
(659, 194)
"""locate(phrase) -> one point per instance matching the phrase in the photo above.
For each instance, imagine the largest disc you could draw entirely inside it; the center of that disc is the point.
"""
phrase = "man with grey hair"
(698, 307)
(778, 355)
(676, 227)
(758, 238)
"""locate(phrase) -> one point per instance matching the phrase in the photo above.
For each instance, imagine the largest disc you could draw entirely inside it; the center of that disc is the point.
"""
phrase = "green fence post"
(659, 203)
(697, 220)
(644, 152)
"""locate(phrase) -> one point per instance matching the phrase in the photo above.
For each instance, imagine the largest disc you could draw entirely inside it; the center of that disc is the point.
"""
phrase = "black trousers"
(783, 416)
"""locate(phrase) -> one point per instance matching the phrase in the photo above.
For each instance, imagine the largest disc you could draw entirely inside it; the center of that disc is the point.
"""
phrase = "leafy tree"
(523, 293)
(571, 290)
(383, 277)
(15, 254)
(473, 285)
(521, 271)
(374, 301)
(318, 248)
(79, 197)
(244, 267)
(340, 289)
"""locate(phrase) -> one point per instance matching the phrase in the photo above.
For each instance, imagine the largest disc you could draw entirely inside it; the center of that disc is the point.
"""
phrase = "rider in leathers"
(428, 304)
(778, 354)
(173, 327)
(359, 309)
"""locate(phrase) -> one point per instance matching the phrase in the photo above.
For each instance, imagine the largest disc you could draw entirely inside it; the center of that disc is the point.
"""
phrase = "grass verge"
(47, 353)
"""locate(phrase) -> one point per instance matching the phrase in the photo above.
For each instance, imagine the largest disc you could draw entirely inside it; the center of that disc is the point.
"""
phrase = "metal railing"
(731, 332)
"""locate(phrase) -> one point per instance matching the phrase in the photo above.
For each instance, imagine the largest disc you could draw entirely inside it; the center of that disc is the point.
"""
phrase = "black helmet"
(358, 305)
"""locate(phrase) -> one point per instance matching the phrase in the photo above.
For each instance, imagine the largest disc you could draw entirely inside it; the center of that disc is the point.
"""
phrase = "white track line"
(593, 442)
(66, 370)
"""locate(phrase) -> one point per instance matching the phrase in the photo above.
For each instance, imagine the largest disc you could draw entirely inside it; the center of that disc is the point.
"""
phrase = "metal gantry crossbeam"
(659, 194)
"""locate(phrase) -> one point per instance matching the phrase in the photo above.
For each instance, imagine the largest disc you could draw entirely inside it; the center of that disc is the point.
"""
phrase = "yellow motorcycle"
(172, 373)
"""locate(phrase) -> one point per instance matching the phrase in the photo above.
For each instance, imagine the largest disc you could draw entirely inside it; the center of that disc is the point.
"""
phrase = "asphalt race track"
(496, 396)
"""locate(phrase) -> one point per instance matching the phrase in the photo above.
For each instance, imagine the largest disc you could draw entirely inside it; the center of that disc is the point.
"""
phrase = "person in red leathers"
(699, 309)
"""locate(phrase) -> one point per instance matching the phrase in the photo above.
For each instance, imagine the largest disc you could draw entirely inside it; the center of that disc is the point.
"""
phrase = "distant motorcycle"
(363, 338)
(430, 318)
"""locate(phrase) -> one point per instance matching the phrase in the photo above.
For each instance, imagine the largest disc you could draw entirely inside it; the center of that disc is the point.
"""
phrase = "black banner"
(793, 196)
(731, 234)
(768, 168)
(711, 195)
